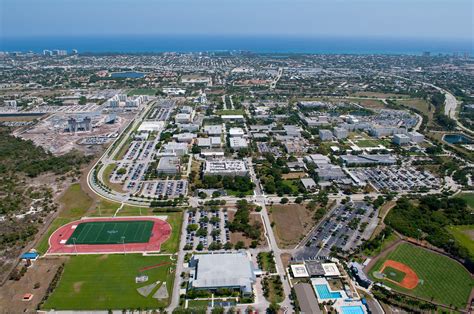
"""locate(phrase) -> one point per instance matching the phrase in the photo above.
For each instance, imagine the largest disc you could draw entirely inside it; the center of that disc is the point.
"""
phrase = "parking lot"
(211, 227)
(397, 178)
(344, 229)
(169, 188)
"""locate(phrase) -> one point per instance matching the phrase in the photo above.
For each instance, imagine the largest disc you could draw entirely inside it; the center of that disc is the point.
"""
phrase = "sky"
(439, 19)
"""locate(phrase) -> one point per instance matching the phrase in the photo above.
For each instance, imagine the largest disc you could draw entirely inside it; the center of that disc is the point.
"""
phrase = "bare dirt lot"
(39, 275)
(291, 223)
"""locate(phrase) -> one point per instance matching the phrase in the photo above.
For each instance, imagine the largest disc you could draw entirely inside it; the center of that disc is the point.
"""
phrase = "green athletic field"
(103, 282)
(111, 232)
(393, 274)
(442, 279)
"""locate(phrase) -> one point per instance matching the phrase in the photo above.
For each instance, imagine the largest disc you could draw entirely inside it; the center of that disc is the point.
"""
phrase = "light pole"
(75, 247)
(123, 242)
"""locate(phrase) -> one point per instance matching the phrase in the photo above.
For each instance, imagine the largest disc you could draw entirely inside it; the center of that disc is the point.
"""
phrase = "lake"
(129, 74)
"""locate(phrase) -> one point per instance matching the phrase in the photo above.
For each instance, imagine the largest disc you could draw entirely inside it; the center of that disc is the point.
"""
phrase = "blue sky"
(442, 19)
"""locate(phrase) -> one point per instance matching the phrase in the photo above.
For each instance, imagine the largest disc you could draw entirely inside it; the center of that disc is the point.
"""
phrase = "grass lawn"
(292, 184)
(172, 244)
(469, 198)
(385, 243)
(273, 286)
(368, 143)
(464, 235)
(142, 91)
(102, 282)
(43, 245)
(266, 262)
(75, 203)
(238, 193)
(123, 149)
(106, 178)
(441, 278)
(230, 112)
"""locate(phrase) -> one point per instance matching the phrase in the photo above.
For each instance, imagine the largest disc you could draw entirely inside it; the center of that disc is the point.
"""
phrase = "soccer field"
(111, 232)
(103, 282)
(441, 278)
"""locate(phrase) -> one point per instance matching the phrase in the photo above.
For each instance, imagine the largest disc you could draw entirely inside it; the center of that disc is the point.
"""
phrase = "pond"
(457, 139)
(128, 74)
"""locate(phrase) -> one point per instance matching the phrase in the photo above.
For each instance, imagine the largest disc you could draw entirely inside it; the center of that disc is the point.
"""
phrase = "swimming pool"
(324, 293)
(354, 309)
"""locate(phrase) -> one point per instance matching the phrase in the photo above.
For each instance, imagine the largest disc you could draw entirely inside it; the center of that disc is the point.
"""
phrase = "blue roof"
(30, 255)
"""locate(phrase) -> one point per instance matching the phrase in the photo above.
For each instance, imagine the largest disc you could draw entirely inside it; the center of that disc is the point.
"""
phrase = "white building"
(185, 137)
(233, 117)
(151, 126)
(183, 118)
(325, 135)
(213, 129)
(236, 132)
(401, 139)
(176, 149)
(225, 167)
(340, 133)
(238, 142)
(416, 137)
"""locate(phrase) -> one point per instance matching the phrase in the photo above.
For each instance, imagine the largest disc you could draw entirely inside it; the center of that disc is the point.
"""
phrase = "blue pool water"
(127, 75)
(324, 292)
(352, 309)
(457, 139)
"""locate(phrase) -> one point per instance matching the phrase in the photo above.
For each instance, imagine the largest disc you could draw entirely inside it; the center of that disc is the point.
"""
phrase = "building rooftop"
(306, 299)
(223, 270)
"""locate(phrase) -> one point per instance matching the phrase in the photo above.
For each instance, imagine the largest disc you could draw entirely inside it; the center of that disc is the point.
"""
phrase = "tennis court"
(111, 232)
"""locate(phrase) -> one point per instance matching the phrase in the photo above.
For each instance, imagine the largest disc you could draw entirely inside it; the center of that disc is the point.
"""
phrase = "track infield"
(111, 232)
(110, 235)
(440, 278)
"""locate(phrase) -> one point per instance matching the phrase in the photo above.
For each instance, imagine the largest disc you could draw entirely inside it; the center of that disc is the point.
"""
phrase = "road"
(260, 199)
(273, 84)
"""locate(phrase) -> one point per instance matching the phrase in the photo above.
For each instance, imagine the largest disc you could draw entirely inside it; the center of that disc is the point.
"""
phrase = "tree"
(239, 245)
(284, 200)
(82, 100)
(273, 308)
(192, 227)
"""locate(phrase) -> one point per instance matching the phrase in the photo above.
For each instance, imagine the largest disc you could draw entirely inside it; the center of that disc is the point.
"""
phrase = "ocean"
(257, 44)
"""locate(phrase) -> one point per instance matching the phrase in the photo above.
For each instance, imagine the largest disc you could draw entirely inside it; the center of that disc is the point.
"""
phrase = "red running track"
(160, 232)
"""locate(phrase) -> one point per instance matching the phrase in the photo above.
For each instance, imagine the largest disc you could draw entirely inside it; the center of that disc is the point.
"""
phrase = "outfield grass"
(394, 274)
(75, 203)
(463, 235)
(102, 282)
(442, 279)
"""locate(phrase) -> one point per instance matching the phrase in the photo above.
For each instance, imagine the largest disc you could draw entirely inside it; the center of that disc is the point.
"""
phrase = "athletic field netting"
(112, 232)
